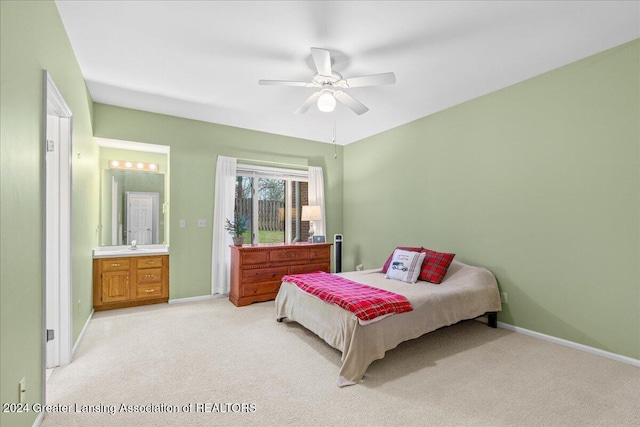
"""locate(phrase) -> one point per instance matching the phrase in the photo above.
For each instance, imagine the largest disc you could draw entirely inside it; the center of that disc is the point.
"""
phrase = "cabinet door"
(115, 286)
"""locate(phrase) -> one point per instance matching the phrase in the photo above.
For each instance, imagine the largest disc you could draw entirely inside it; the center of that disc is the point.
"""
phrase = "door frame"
(57, 291)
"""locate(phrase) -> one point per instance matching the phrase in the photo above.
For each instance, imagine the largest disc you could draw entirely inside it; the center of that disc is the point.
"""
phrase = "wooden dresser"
(130, 281)
(257, 270)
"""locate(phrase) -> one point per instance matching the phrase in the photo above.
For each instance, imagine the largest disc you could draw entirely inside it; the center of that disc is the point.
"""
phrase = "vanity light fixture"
(140, 166)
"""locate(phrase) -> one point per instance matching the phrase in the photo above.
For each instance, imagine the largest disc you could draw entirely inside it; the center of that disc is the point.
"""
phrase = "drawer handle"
(150, 262)
(149, 290)
(115, 265)
(149, 276)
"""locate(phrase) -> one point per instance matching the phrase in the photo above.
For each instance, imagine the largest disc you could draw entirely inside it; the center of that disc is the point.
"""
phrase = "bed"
(466, 292)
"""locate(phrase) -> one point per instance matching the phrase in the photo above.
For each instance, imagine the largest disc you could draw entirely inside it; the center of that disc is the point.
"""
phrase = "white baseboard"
(38, 419)
(81, 335)
(571, 344)
(192, 299)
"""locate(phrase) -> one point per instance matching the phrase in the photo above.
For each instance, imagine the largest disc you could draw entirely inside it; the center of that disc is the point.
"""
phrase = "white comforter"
(465, 293)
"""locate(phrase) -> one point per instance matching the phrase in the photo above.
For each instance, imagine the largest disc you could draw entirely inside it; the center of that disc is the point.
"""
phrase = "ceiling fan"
(330, 84)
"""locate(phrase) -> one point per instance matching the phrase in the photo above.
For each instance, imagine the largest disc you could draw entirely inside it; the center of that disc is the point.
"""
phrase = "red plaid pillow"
(434, 266)
(386, 265)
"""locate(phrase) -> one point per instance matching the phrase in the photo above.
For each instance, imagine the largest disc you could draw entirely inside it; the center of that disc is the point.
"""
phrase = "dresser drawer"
(261, 289)
(291, 254)
(264, 274)
(149, 275)
(309, 268)
(255, 257)
(319, 254)
(149, 291)
(114, 264)
(149, 262)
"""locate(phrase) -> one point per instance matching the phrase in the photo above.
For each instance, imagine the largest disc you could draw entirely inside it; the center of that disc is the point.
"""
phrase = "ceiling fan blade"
(372, 80)
(322, 59)
(284, 83)
(308, 103)
(350, 102)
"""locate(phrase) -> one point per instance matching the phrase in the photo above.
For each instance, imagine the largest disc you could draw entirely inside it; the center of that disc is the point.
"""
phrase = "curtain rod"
(273, 163)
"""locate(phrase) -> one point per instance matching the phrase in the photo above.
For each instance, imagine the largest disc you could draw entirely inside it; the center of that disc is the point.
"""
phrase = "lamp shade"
(311, 213)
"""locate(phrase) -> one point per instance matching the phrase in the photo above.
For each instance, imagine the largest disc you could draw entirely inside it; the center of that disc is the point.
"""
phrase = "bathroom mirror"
(132, 207)
(133, 202)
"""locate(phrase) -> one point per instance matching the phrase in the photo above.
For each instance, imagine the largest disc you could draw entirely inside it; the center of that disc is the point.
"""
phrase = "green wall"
(195, 146)
(539, 182)
(33, 38)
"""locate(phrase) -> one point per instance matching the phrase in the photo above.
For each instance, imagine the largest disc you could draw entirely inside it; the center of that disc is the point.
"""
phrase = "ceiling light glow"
(326, 102)
(139, 166)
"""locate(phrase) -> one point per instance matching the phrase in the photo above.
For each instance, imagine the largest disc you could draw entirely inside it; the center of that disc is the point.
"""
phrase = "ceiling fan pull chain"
(335, 155)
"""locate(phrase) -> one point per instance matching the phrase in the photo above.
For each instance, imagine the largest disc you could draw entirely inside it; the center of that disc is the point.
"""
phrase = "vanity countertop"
(126, 251)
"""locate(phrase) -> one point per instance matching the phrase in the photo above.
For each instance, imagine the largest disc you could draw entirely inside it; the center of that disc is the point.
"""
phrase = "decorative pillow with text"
(386, 265)
(405, 266)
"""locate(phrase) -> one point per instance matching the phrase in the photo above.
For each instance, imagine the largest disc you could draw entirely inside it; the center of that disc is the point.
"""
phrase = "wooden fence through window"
(270, 213)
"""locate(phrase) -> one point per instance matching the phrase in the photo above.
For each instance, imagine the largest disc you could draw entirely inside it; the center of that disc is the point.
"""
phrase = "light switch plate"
(183, 223)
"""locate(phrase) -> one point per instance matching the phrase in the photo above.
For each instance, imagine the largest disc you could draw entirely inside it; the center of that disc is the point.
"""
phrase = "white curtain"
(225, 189)
(316, 197)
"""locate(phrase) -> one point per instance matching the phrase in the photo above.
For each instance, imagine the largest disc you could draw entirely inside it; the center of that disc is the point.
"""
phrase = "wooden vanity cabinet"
(131, 281)
(257, 270)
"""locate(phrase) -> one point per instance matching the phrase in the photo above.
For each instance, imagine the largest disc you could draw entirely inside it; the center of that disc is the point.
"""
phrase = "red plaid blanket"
(364, 301)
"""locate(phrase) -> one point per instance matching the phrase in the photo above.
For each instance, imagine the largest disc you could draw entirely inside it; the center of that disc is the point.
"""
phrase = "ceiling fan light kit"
(326, 102)
(327, 81)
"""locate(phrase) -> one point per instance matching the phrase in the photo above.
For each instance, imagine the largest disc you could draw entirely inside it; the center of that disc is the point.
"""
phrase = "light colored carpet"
(211, 352)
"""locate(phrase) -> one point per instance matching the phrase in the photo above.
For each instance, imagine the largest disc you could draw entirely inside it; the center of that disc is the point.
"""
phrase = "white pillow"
(405, 266)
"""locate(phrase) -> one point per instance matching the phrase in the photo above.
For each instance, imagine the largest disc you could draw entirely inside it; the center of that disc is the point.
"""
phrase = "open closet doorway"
(57, 316)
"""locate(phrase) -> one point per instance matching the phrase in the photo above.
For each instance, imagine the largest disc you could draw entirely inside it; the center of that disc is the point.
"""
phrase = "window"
(272, 198)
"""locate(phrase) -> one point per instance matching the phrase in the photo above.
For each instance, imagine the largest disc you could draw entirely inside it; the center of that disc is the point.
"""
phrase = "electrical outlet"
(503, 297)
(202, 223)
(183, 223)
(22, 387)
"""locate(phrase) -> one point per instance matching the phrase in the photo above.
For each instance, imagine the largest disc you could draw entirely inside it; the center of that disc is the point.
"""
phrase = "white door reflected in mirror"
(142, 217)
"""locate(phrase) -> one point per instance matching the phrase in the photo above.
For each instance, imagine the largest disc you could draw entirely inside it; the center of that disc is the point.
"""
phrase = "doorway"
(57, 321)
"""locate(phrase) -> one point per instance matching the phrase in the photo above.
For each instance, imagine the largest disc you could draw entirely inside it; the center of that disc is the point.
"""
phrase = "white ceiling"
(203, 59)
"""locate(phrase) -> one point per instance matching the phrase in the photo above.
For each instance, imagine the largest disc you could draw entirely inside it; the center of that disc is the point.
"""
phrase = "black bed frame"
(492, 319)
